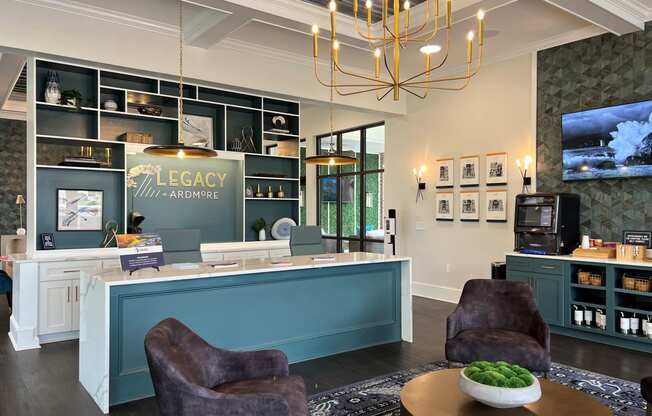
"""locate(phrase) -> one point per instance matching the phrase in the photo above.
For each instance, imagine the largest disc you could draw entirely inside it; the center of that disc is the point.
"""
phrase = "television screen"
(611, 142)
(329, 190)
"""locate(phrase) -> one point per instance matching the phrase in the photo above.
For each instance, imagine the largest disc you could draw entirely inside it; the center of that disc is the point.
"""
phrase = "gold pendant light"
(181, 151)
(332, 157)
(396, 37)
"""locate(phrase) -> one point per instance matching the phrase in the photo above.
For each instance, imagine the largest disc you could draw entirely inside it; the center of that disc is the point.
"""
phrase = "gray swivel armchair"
(306, 240)
(498, 320)
(181, 246)
(193, 378)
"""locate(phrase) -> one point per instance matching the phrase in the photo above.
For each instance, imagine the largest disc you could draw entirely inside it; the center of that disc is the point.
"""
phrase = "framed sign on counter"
(638, 238)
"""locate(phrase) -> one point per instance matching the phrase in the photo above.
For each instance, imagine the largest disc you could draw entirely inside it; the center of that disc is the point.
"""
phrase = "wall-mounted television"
(328, 190)
(610, 142)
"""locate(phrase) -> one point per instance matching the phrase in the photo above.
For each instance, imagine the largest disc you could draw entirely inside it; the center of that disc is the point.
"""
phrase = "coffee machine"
(547, 223)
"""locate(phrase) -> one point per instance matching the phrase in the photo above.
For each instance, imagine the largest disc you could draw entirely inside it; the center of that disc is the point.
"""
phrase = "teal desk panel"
(306, 313)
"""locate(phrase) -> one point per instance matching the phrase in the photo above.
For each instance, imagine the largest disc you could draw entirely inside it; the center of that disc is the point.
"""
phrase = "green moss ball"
(499, 374)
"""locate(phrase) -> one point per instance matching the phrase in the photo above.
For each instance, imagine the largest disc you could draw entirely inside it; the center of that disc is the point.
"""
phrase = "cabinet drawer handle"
(72, 271)
(548, 267)
(68, 290)
(76, 293)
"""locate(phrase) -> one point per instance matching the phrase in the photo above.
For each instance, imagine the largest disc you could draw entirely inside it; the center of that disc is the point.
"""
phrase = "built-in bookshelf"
(93, 128)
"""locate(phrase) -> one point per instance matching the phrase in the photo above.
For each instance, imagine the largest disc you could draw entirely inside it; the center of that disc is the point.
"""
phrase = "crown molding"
(632, 11)
(106, 15)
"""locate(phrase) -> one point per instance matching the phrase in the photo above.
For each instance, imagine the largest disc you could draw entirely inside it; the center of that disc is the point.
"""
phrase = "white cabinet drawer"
(281, 252)
(207, 257)
(67, 270)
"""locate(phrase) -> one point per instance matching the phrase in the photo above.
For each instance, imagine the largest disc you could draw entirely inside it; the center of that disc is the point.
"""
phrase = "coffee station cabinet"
(614, 292)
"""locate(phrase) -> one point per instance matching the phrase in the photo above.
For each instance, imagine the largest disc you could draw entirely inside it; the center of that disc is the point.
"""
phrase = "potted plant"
(259, 227)
(500, 384)
(71, 97)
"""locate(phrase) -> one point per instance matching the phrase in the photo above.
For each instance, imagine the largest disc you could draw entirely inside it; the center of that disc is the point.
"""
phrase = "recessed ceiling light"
(430, 49)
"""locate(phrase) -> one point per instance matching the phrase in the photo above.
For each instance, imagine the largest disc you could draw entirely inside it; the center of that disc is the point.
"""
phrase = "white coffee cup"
(586, 242)
(634, 325)
(624, 325)
(578, 316)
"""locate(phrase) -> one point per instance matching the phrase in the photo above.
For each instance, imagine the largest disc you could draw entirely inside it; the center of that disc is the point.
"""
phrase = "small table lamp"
(20, 201)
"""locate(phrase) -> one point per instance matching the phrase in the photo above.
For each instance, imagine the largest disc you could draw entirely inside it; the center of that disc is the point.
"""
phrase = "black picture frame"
(638, 238)
(101, 225)
(47, 241)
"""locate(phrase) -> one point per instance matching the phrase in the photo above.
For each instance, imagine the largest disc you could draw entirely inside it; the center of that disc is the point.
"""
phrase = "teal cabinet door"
(521, 277)
(549, 294)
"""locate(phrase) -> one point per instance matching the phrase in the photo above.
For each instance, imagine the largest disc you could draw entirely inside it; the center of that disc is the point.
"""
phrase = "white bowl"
(500, 397)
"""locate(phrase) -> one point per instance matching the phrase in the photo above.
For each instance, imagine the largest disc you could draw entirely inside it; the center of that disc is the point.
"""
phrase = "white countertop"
(249, 266)
(583, 259)
(112, 253)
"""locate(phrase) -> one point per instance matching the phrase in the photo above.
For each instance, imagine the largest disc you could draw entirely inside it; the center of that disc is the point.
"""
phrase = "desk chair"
(181, 246)
(306, 240)
(5, 286)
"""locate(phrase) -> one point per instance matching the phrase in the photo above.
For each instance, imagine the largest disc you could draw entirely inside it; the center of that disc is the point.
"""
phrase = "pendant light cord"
(181, 72)
(332, 147)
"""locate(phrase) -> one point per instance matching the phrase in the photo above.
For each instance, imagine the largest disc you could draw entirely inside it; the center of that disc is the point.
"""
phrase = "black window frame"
(338, 175)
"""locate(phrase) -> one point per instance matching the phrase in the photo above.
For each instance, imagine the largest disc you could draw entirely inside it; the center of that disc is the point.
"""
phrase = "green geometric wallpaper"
(12, 171)
(601, 71)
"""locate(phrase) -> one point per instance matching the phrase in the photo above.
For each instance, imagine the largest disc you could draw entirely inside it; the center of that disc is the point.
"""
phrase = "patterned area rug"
(380, 396)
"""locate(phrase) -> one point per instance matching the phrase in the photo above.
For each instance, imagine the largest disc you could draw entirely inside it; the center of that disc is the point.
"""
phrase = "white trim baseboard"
(437, 292)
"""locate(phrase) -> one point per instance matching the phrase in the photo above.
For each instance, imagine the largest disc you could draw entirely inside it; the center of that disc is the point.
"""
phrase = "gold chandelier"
(397, 38)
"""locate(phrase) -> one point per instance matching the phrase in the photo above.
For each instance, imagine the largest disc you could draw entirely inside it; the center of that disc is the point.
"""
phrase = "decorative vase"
(258, 193)
(52, 92)
(249, 192)
(261, 235)
(270, 193)
(280, 193)
(110, 105)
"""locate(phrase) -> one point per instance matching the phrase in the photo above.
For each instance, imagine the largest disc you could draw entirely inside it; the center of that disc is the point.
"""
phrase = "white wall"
(494, 113)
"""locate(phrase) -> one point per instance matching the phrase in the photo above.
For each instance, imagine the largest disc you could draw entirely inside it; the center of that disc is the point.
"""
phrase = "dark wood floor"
(44, 382)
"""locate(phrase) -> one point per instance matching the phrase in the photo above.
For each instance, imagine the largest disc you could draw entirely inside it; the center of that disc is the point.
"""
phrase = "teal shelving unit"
(560, 275)
(59, 131)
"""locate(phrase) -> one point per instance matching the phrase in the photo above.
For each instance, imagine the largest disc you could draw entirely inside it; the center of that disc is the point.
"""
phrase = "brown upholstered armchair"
(498, 320)
(193, 378)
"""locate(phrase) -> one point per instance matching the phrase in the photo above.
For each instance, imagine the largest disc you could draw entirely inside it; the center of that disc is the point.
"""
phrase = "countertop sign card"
(496, 169)
(638, 238)
(140, 251)
(469, 171)
(445, 173)
(469, 206)
(444, 201)
(496, 205)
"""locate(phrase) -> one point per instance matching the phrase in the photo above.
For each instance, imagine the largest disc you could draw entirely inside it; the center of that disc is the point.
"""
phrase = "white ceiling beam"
(616, 16)
(10, 68)
(213, 28)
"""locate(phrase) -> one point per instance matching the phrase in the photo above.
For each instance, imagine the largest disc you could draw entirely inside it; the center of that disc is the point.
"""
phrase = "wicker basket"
(642, 285)
(629, 283)
(584, 278)
(596, 279)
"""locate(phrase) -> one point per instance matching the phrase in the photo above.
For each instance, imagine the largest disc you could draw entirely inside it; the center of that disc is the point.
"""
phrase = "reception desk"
(307, 307)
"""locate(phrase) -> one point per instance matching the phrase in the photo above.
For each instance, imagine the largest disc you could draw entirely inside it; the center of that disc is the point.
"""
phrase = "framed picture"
(47, 241)
(638, 238)
(496, 205)
(197, 131)
(469, 171)
(444, 201)
(80, 210)
(445, 173)
(469, 206)
(496, 169)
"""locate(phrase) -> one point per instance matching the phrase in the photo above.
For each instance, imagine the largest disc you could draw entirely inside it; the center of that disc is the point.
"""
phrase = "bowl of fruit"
(500, 384)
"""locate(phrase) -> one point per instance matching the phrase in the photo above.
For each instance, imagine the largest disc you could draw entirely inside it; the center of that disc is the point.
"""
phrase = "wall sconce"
(527, 180)
(421, 185)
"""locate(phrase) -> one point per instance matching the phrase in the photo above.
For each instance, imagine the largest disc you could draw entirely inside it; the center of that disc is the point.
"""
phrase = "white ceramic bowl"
(500, 397)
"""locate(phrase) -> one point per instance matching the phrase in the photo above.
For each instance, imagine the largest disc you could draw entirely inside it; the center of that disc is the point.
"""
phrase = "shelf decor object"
(393, 40)
(20, 201)
(281, 228)
(180, 150)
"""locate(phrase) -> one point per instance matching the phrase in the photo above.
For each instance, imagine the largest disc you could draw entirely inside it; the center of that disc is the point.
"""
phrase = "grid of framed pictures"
(471, 203)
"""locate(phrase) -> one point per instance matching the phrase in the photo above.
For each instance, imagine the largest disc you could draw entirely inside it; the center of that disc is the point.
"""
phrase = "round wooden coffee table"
(438, 394)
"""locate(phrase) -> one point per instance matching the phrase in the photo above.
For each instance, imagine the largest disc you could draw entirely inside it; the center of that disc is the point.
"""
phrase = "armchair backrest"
(181, 245)
(498, 304)
(177, 360)
(306, 240)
